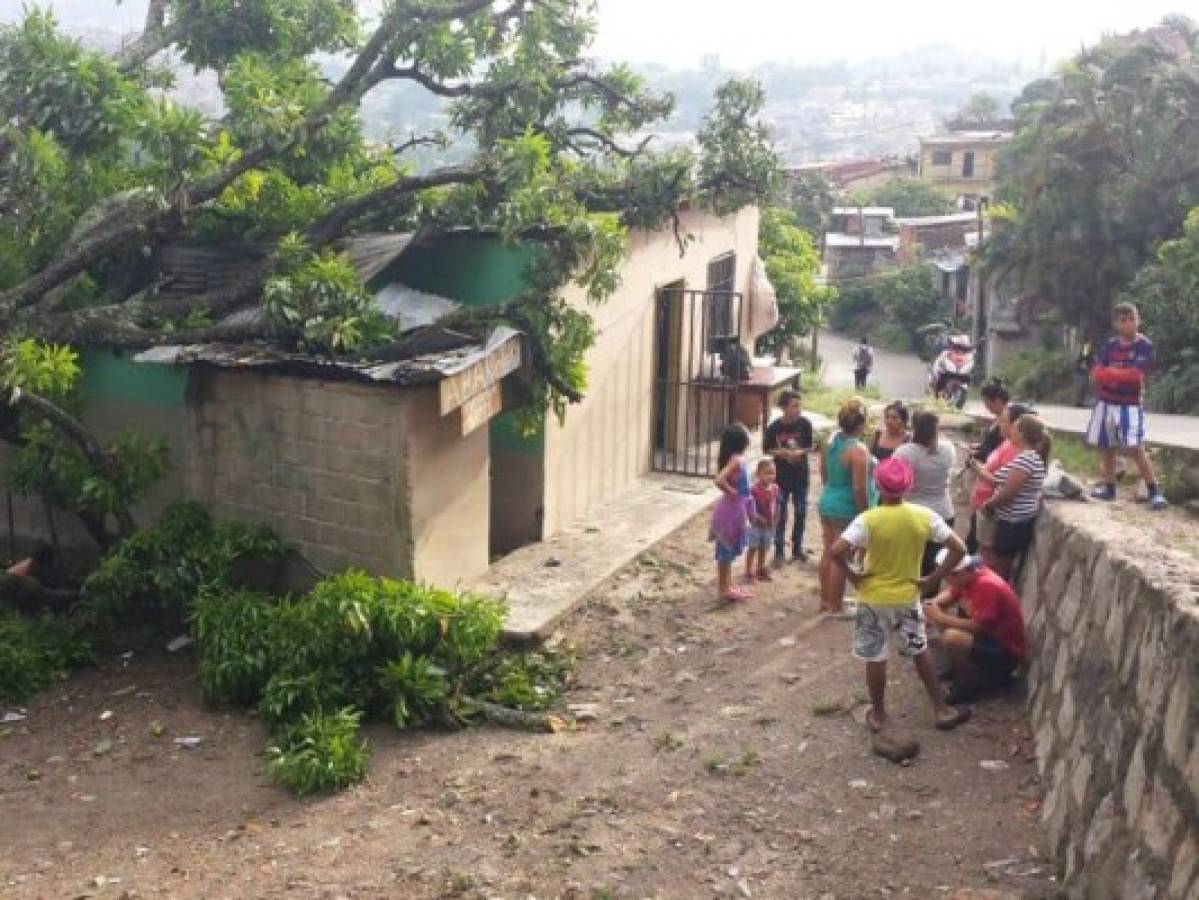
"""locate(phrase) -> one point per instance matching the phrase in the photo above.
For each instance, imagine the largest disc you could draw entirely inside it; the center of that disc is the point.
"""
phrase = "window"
(719, 311)
(942, 157)
(968, 164)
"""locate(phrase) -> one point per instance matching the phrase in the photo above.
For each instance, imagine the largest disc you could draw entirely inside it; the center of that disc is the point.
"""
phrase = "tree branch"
(334, 224)
(75, 430)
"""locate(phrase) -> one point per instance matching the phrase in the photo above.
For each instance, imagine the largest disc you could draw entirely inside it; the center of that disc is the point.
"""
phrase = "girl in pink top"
(984, 486)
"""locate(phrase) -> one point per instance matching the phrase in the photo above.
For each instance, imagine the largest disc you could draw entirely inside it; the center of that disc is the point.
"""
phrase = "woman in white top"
(932, 458)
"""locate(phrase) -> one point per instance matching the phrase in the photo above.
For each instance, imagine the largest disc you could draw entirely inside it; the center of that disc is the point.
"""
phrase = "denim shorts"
(761, 537)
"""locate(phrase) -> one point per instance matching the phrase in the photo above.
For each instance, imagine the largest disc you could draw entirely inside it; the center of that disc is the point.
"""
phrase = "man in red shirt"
(987, 644)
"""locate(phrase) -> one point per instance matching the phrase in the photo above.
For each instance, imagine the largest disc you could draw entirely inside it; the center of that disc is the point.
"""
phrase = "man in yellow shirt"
(893, 534)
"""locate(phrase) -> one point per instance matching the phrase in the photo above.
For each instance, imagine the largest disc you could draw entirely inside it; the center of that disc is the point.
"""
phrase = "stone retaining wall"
(1114, 697)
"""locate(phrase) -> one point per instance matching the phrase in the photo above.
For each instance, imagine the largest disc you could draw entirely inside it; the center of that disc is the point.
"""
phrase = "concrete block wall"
(1114, 698)
(322, 462)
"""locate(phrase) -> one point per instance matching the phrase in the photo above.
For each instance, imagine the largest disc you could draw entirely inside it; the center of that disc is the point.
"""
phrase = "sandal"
(961, 717)
(737, 595)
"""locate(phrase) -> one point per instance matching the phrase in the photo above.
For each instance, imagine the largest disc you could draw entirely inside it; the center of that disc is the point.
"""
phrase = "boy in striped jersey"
(1118, 422)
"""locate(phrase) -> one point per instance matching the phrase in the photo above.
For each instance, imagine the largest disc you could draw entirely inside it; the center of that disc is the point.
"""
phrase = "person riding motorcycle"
(955, 362)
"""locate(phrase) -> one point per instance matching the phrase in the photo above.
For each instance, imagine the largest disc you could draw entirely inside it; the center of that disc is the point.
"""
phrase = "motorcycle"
(950, 375)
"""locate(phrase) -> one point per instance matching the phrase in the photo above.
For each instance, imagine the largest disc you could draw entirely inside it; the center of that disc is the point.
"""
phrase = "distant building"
(856, 174)
(862, 241)
(963, 163)
(934, 235)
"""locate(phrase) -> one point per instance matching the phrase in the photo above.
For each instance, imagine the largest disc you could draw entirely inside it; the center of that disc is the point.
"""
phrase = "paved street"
(897, 375)
(904, 376)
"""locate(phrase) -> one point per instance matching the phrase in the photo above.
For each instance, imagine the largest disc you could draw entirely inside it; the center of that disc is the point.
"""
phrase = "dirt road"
(721, 762)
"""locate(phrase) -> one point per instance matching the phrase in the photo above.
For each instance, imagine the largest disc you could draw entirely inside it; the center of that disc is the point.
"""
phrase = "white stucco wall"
(605, 442)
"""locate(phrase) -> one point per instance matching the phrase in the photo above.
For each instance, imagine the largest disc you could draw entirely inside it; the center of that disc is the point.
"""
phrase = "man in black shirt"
(789, 441)
(995, 399)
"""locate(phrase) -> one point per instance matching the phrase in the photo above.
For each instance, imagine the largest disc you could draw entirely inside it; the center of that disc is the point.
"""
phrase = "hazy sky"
(743, 32)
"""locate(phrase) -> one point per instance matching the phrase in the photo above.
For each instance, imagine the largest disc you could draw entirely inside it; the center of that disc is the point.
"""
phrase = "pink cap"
(894, 477)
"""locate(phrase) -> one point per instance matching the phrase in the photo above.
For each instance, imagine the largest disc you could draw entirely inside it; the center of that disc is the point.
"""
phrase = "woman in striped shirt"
(1016, 502)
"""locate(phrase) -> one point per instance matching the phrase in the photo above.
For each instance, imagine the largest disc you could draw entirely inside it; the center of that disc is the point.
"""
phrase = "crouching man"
(982, 627)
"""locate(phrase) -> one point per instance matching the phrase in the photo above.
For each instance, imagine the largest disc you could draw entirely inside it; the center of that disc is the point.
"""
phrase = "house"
(862, 241)
(1006, 317)
(855, 174)
(925, 236)
(415, 463)
(963, 163)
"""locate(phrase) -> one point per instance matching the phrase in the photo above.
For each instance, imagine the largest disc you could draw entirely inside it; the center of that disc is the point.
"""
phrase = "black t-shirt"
(784, 435)
(990, 443)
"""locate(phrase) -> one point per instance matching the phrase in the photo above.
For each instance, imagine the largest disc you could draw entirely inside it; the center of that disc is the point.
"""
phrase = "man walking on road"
(863, 362)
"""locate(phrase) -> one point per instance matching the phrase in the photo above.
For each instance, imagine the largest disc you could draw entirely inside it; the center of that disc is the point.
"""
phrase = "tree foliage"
(1165, 292)
(981, 111)
(810, 198)
(1103, 166)
(100, 171)
(908, 197)
(902, 297)
(792, 262)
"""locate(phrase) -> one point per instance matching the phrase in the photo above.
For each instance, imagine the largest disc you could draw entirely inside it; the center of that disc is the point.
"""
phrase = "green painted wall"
(113, 375)
(506, 437)
(474, 270)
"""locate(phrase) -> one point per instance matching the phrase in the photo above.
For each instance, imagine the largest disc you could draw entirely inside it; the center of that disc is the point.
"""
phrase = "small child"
(764, 518)
(730, 517)
(1118, 421)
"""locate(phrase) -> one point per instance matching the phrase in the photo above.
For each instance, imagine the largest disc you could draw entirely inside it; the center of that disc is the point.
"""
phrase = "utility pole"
(980, 317)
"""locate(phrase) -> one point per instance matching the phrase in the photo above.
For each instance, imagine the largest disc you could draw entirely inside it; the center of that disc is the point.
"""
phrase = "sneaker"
(778, 559)
(1158, 502)
(1105, 492)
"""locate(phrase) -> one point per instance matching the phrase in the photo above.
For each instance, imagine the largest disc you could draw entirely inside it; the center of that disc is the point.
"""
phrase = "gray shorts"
(761, 537)
(876, 627)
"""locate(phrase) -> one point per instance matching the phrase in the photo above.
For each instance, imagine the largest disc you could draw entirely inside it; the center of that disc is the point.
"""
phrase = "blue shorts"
(761, 537)
(726, 555)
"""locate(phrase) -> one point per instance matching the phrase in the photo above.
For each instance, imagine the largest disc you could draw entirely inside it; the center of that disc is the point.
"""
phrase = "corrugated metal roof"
(420, 369)
(836, 239)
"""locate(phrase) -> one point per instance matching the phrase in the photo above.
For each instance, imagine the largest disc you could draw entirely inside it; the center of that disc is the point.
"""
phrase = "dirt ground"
(724, 759)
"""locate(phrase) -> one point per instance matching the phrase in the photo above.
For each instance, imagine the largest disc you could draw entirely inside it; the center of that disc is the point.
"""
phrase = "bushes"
(35, 653)
(1040, 374)
(165, 566)
(319, 753)
(356, 647)
(314, 666)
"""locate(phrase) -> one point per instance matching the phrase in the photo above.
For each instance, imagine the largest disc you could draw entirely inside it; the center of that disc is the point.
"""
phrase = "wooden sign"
(480, 374)
(481, 409)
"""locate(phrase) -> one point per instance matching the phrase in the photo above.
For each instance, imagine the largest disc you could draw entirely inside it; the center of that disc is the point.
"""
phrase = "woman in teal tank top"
(846, 469)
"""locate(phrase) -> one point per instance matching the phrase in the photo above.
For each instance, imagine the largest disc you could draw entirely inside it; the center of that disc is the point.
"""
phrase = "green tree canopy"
(810, 197)
(792, 262)
(1103, 166)
(98, 171)
(908, 197)
(981, 111)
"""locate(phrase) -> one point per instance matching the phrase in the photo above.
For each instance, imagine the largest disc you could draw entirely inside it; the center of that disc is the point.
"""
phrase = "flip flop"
(737, 595)
(961, 717)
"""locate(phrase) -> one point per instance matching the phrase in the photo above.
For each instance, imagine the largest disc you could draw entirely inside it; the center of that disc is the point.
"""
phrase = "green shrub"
(526, 681)
(321, 752)
(1177, 389)
(1040, 374)
(287, 697)
(418, 689)
(237, 632)
(35, 653)
(165, 566)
